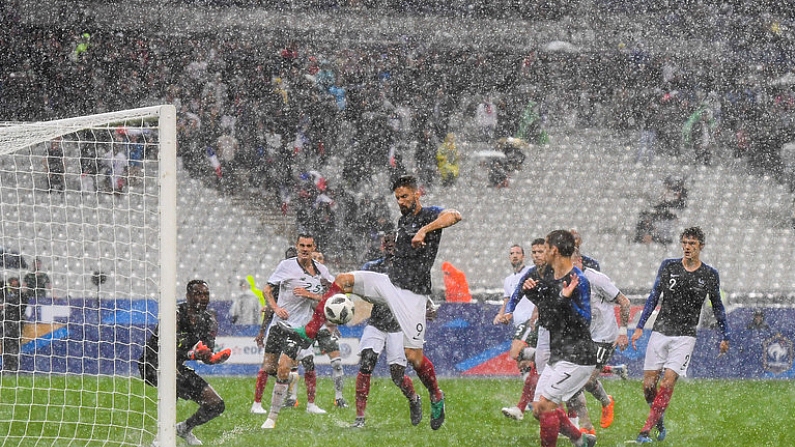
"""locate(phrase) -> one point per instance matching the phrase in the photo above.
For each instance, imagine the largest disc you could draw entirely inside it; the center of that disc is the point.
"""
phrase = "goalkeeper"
(196, 331)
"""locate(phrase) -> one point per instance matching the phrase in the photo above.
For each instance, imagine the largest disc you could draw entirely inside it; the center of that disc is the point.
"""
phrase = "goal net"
(88, 258)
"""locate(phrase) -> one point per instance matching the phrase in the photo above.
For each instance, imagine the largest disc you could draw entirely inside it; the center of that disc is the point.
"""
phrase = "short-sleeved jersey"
(524, 308)
(604, 328)
(683, 293)
(381, 317)
(288, 275)
(411, 268)
(568, 320)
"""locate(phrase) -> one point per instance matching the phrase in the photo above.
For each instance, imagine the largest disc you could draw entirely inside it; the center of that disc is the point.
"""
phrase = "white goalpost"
(88, 259)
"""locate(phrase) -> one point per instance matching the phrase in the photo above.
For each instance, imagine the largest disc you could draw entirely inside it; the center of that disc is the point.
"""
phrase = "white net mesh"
(81, 265)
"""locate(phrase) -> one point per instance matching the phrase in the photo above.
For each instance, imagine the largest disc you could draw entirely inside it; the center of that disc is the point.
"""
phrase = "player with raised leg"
(383, 333)
(406, 288)
(683, 284)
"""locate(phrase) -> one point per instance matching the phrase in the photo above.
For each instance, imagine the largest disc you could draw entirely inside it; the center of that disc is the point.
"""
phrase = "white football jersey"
(288, 275)
(524, 308)
(604, 327)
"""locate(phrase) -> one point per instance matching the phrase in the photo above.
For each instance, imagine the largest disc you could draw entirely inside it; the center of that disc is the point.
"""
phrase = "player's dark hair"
(538, 241)
(408, 181)
(517, 246)
(563, 241)
(193, 285)
(695, 232)
(305, 236)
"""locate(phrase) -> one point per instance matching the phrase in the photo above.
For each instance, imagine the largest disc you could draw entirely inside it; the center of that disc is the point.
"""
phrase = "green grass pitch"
(702, 413)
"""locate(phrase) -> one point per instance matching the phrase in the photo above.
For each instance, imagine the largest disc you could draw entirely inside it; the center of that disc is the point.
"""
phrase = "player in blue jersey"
(383, 334)
(683, 284)
(562, 296)
(406, 288)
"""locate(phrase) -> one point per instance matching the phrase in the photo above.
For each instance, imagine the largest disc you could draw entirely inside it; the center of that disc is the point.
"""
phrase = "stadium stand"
(597, 186)
(745, 216)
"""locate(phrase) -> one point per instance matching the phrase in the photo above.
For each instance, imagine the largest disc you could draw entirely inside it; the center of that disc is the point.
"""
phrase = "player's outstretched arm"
(568, 289)
(446, 218)
(525, 284)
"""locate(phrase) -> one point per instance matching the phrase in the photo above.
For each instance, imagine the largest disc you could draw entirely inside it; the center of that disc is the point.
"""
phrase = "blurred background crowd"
(263, 115)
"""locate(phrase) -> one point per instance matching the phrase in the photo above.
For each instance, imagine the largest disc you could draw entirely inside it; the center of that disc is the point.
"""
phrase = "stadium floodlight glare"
(106, 236)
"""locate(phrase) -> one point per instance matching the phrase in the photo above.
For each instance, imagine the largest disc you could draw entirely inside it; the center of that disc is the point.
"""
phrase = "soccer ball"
(339, 309)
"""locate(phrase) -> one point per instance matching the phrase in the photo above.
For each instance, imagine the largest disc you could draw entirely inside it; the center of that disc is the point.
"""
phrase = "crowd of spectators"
(15, 294)
(266, 115)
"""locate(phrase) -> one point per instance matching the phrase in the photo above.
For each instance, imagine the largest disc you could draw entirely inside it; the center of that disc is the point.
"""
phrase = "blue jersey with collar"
(568, 320)
(411, 267)
(683, 293)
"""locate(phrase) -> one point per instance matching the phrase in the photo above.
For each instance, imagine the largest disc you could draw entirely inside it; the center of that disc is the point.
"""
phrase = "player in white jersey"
(606, 334)
(525, 335)
(301, 282)
(327, 343)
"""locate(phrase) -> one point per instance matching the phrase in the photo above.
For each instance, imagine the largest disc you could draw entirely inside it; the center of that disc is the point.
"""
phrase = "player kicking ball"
(405, 289)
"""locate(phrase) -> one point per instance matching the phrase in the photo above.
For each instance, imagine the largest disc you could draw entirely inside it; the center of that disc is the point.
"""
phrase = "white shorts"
(561, 381)
(542, 349)
(305, 353)
(666, 352)
(376, 340)
(407, 306)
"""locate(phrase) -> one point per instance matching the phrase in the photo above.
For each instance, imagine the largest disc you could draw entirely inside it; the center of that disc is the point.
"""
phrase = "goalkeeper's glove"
(218, 357)
(199, 351)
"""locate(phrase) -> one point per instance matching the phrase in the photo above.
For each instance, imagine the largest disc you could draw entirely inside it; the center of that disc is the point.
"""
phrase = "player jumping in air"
(407, 286)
